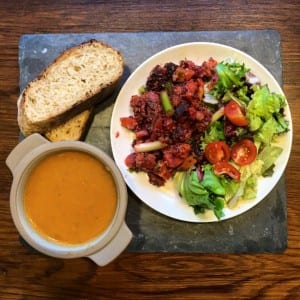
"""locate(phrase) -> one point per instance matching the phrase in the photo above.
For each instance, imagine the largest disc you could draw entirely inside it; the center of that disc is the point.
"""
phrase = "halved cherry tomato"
(225, 168)
(217, 151)
(243, 152)
(234, 113)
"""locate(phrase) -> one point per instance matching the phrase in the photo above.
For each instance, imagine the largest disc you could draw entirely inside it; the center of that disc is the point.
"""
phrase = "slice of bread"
(71, 130)
(78, 79)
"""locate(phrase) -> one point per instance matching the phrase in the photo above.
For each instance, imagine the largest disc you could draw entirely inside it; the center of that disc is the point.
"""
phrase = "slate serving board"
(262, 229)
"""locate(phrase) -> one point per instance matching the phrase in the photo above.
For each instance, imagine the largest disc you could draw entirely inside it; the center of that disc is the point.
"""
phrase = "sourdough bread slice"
(77, 79)
(71, 130)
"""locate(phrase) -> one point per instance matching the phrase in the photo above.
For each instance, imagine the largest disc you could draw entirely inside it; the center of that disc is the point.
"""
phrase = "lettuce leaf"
(212, 182)
(250, 189)
(201, 194)
(268, 156)
(215, 132)
(230, 75)
(266, 132)
(230, 186)
(264, 103)
(240, 95)
(265, 115)
(250, 174)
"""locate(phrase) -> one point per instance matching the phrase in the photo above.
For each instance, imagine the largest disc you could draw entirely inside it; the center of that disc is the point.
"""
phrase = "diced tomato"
(217, 151)
(140, 161)
(128, 122)
(225, 168)
(145, 161)
(212, 62)
(183, 74)
(187, 163)
(130, 161)
(192, 112)
(192, 88)
(171, 160)
(243, 152)
(163, 171)
(201, 92)
(141, 134)
(189, 73)
(235, 114)
(200, 115)
(175, 155)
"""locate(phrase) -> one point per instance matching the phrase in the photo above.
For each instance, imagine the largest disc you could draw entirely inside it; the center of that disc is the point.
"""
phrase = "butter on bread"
(74, 82)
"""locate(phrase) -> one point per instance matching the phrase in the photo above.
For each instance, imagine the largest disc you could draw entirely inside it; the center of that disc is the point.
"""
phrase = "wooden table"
(24, 275)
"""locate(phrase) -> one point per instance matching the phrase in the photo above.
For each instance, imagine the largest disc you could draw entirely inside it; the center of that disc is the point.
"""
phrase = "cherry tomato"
(217, 151)
(225, 168)
(234, 113)
(243, 152)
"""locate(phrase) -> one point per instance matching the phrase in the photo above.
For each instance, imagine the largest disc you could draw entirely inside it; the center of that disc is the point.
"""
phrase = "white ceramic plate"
(166, 199)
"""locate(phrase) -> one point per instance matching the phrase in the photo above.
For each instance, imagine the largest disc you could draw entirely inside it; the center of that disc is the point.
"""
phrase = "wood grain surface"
(27, 275)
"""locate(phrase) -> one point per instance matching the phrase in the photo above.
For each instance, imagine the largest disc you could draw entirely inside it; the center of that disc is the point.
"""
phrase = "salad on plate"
(211, 127)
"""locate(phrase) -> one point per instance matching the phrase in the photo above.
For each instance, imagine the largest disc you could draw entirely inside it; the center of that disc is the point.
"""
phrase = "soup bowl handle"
(114, 248)
(24, 147)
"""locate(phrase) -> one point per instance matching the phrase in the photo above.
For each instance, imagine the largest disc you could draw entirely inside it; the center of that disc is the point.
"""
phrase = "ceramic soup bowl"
(102, 248)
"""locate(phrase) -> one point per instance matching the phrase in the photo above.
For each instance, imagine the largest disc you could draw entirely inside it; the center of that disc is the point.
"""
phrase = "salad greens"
(264, 111)
(268, 155)
(264, 114)
(214, 132)
(205, 194)
(230, 75)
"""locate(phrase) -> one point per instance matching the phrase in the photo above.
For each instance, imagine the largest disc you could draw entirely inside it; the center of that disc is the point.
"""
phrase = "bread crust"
(91, 96)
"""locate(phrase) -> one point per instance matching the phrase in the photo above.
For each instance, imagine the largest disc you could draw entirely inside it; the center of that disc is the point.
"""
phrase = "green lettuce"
(247, 187)
(250, 189)
(266, 132)
(268, 156)
(240, 95)
(230, 75)
(265, 103)
(207, 193)
(215, 132)
(212, 182)
(231, 187)
(250, 174)
(265, 115)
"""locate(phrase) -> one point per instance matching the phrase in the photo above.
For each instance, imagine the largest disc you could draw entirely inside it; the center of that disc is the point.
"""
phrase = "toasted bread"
(71, 130)
(78, 79)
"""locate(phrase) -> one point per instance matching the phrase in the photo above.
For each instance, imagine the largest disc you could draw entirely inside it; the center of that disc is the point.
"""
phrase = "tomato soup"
(70, 197)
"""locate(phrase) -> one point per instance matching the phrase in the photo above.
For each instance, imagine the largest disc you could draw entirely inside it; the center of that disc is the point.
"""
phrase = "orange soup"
(70, 197)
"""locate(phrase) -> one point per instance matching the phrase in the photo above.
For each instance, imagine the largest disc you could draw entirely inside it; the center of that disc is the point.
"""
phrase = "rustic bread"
(71, 130)
(77, 79)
